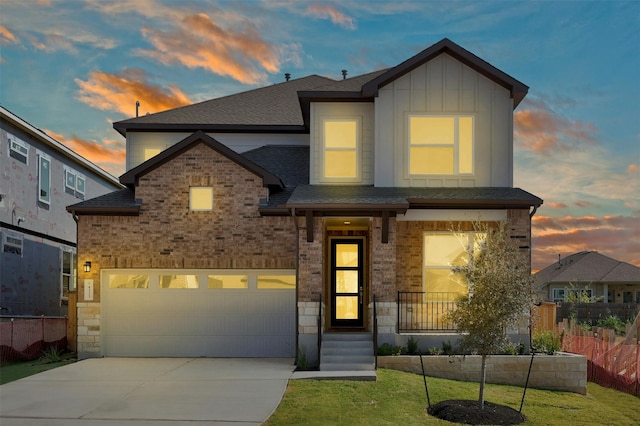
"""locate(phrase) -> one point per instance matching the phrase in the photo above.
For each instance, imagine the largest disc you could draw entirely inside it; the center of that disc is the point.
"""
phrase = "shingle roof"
(289, 163)
(275, 105)
(587, 267)
(132, 176)
(330, 196)
(121, 202)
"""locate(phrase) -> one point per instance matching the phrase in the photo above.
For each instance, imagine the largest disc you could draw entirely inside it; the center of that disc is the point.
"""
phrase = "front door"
(347, 282)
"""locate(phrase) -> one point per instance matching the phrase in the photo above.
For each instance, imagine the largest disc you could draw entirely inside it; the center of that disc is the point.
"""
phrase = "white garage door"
(198, 313)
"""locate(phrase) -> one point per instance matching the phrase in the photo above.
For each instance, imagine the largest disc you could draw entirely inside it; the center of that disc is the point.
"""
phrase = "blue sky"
(73, 67)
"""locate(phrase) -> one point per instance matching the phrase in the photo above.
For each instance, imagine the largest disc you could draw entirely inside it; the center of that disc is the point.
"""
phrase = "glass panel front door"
(347, 282)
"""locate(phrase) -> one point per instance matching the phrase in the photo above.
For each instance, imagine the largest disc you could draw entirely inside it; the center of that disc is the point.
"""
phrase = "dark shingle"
(121, 201)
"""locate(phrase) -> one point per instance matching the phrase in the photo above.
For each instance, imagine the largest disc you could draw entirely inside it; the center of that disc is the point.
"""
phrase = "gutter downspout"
(295, 222)
(531, 213)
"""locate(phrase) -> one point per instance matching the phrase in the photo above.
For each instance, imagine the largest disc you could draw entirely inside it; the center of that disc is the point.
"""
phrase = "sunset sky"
(73, 67)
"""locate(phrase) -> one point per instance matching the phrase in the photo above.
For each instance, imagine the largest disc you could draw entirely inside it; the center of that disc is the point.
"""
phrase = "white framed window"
(12, 244)
(74, 182)
(200, 198)
(178, 281)
(80, 184)
(341, 146)
(44, 178)
(70, 179)
(440, 144)
(18, 149)
(227, 281)
(68, 272)
(128, 280)
(558, 295)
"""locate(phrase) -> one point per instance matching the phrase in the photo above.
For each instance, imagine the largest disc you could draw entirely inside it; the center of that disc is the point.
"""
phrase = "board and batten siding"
(445, 86)
(137, 142)
(321, 111)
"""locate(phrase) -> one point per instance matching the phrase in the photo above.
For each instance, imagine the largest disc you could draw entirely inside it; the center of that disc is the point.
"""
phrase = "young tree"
(500, 293)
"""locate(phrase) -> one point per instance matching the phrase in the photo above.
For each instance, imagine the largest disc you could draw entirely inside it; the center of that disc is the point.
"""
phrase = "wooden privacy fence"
(23, 339)
(611, 362)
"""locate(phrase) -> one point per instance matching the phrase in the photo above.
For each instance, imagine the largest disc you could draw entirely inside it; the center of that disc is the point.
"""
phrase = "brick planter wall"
(562, 372)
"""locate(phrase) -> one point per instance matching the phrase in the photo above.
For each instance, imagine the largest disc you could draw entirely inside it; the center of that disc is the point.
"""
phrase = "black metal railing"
(426, 311)
(375, 330)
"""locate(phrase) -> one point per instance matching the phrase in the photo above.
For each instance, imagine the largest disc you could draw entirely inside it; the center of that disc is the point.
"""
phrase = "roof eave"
(306, 97)
(124, 127)
(104, 211)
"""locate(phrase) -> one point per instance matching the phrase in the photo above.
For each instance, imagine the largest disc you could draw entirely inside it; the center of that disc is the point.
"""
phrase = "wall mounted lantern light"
(87, 266)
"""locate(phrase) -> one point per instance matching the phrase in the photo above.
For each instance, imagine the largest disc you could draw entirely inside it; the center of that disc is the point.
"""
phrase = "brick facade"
(167, 234)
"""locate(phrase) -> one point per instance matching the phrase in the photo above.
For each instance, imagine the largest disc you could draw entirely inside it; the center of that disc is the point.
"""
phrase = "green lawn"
(17, 370)
(399, 398)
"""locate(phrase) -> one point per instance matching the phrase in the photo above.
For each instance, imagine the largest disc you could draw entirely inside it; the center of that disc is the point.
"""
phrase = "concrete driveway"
(148, 391)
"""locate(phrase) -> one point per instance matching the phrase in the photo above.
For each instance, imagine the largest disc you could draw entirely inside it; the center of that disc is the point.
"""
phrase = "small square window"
(200, 198)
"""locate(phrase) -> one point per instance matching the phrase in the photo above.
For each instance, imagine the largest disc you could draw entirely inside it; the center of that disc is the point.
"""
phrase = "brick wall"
(167, 235)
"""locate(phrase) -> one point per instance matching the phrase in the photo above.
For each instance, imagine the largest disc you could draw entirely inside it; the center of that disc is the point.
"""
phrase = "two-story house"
(39, 178)
(272, 220)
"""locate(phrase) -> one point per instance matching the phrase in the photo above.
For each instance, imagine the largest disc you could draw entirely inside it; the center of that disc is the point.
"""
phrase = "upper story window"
(440, 145)
(18, 149)
(200, 198)
(341, 150)
(74, 182)
(44, 178)
(151, 152)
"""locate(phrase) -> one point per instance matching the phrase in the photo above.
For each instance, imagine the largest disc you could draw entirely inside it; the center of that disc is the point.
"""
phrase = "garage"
(198, 313)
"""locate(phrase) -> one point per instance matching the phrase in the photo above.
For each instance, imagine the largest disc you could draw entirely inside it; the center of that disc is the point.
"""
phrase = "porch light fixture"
(87, 266)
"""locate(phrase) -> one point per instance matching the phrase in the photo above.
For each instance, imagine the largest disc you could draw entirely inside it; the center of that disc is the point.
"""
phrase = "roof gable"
(517, 89)
(132, 176)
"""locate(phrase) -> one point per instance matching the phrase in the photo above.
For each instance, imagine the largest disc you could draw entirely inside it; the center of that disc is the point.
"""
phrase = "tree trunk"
(483, 377)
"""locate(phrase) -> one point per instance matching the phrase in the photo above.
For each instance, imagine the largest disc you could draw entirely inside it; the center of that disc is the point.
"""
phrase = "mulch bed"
(469, 412)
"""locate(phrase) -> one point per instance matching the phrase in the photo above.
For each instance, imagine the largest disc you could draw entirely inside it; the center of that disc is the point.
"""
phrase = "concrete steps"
(347, 352)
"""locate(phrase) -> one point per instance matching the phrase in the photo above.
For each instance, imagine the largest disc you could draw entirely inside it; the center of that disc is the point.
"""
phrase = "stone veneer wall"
(562, 372)
(167, 235)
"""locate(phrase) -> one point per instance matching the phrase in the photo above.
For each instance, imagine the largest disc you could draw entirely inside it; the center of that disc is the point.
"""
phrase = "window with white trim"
(44, 178)
(74, 182)
(12, 244)
(18, 149)
(341, 150)
(558, 295)
(440, 145)
(68, 273)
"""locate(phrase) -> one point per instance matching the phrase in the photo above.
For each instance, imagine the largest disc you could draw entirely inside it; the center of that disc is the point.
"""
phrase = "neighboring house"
(590, 273)
(250, 220)
(39, 178)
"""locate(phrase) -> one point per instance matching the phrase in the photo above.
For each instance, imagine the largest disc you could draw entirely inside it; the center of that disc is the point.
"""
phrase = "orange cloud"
(109, 154)
(119, 92)
(6, 36)
(633, 169)
(543, 131)
(557, 205)
(323, 10)
(199, 42)
(614, 236)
